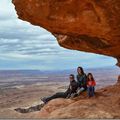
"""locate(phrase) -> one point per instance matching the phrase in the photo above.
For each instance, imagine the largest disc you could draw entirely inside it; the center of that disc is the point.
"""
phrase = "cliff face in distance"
(85, 25)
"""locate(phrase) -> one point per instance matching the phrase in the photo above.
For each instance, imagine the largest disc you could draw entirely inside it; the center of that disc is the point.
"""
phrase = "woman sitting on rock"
(90, 85)
(82, 80)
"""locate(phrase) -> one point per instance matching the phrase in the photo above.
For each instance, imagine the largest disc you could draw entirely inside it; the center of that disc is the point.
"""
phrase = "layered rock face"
(105, 104)
(85, 25)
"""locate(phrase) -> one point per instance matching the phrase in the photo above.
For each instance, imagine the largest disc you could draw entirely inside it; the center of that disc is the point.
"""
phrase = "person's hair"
(71, 75)
(82, 71)
(91, 76)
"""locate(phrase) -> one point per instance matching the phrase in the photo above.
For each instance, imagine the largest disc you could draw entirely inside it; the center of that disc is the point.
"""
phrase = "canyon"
(85, 25)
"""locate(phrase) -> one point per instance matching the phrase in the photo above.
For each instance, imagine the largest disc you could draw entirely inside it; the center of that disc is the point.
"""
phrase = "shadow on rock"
(30, 109)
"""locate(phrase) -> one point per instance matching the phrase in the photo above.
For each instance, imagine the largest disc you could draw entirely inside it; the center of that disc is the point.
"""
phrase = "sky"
(24, 46)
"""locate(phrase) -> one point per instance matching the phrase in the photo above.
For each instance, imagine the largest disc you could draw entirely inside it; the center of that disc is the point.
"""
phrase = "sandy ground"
(24, 96)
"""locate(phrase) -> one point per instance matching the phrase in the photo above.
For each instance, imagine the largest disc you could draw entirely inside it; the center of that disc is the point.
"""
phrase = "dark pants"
(91, 91)
(65, 94)
(57, 95)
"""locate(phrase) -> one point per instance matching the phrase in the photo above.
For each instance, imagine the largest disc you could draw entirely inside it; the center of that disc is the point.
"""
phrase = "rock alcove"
(84, 25)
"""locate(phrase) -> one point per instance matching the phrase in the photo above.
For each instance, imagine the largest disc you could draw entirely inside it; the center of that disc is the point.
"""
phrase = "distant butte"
(84, 25)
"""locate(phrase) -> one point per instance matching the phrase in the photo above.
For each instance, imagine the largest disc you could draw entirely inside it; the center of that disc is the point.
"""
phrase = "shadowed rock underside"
(85, 25)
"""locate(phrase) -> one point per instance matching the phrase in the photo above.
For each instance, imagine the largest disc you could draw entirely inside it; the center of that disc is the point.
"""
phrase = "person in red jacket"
(90, 85)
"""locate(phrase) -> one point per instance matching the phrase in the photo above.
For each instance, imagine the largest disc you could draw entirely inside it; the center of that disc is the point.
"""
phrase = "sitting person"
(67, 94)
(90, 85)
(82, 80)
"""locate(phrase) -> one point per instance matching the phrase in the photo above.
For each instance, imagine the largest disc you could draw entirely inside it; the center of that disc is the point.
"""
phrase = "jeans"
(91, 91)
(80, 90)
(57, 95)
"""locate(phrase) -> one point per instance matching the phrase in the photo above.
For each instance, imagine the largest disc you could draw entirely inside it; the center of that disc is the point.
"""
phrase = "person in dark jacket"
(82, 80)
(72, 89)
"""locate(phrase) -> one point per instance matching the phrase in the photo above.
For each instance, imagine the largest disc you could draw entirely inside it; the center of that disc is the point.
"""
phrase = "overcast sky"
(24, 46)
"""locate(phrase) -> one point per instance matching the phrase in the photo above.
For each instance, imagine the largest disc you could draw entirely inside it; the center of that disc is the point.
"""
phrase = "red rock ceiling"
(84, 25)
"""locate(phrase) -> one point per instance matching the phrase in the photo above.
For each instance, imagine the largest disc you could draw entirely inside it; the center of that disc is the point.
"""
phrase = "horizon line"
(57, 69)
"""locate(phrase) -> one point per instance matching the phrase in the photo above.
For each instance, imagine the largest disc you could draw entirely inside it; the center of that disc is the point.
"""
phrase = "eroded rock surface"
(105, 104)
(85, 25)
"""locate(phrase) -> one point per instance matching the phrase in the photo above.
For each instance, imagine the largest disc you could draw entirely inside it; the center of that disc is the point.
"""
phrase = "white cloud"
(22, 44)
